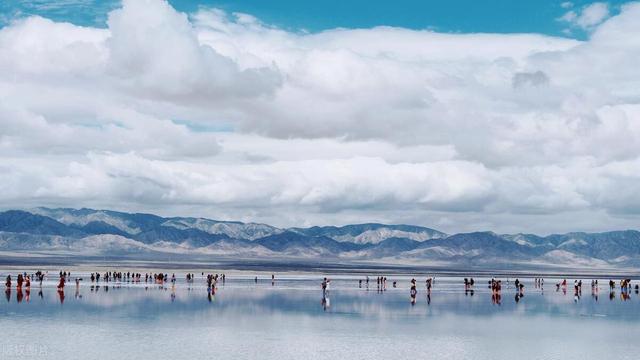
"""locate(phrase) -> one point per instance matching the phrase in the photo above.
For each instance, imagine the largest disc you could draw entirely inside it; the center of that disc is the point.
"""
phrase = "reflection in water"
(413, 291)
(451, 293)
(268, 312)
(326, 303)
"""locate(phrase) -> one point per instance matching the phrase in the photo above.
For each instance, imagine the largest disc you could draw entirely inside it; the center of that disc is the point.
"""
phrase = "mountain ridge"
(108, 232)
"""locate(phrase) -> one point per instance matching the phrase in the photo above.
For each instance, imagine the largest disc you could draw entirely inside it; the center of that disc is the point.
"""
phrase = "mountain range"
(104, 232)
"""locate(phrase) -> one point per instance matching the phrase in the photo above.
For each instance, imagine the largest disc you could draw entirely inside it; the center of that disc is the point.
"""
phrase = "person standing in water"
(61, 283)
(324, 287)
(413, 291)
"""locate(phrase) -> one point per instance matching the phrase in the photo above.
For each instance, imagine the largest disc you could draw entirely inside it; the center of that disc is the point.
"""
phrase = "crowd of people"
(23, 282)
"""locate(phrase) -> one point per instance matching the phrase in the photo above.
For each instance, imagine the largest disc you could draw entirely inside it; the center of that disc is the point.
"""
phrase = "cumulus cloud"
(217, 114)
(154, 51)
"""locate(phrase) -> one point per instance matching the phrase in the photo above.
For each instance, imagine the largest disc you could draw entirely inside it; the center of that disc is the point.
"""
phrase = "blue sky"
(464, 16)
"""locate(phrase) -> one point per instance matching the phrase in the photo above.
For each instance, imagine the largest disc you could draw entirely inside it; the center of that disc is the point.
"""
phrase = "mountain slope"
(128, 223)
(371, 233)
(23, 222)
(232, 229)
(292, 242)
(87, 231)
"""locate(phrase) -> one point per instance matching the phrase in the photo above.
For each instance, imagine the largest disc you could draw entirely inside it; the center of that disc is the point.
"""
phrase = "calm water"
(290, 320)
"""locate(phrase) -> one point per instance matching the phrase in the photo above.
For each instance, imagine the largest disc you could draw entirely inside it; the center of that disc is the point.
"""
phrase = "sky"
(510, 116)
(453, 16)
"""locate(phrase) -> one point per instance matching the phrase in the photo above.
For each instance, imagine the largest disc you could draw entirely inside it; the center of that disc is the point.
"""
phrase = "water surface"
(290, 319)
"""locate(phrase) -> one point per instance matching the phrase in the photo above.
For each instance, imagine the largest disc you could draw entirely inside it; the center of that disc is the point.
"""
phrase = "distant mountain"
(128, 223)
(16, 221)
(190, 237)
(478, 246)
(528, 239)
(232, 229)
(104, 232)
(371, 233)
(134, 224)
(290, 241)
(608, 245)
(386, 248)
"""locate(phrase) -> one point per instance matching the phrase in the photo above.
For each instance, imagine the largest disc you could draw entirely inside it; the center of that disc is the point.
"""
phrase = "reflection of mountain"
(101, 232)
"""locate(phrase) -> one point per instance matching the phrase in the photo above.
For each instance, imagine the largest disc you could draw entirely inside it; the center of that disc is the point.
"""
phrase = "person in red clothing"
(61, 283)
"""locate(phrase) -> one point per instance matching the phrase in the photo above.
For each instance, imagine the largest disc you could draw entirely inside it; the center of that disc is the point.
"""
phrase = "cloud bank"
(221, 115)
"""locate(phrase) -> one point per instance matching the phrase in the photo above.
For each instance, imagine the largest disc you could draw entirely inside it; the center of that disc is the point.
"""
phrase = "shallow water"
(290, 320)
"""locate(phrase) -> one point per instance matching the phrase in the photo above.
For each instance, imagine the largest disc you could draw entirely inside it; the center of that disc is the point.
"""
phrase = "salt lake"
(291, 319)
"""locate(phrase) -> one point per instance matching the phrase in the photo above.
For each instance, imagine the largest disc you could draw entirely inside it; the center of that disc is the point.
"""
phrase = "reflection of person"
(61, 295)
(325, 303)
(77, 294)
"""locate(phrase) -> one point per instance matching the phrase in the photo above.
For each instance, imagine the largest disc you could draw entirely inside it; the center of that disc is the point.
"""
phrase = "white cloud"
(154, 51)
(588, 17)
(221, 115)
